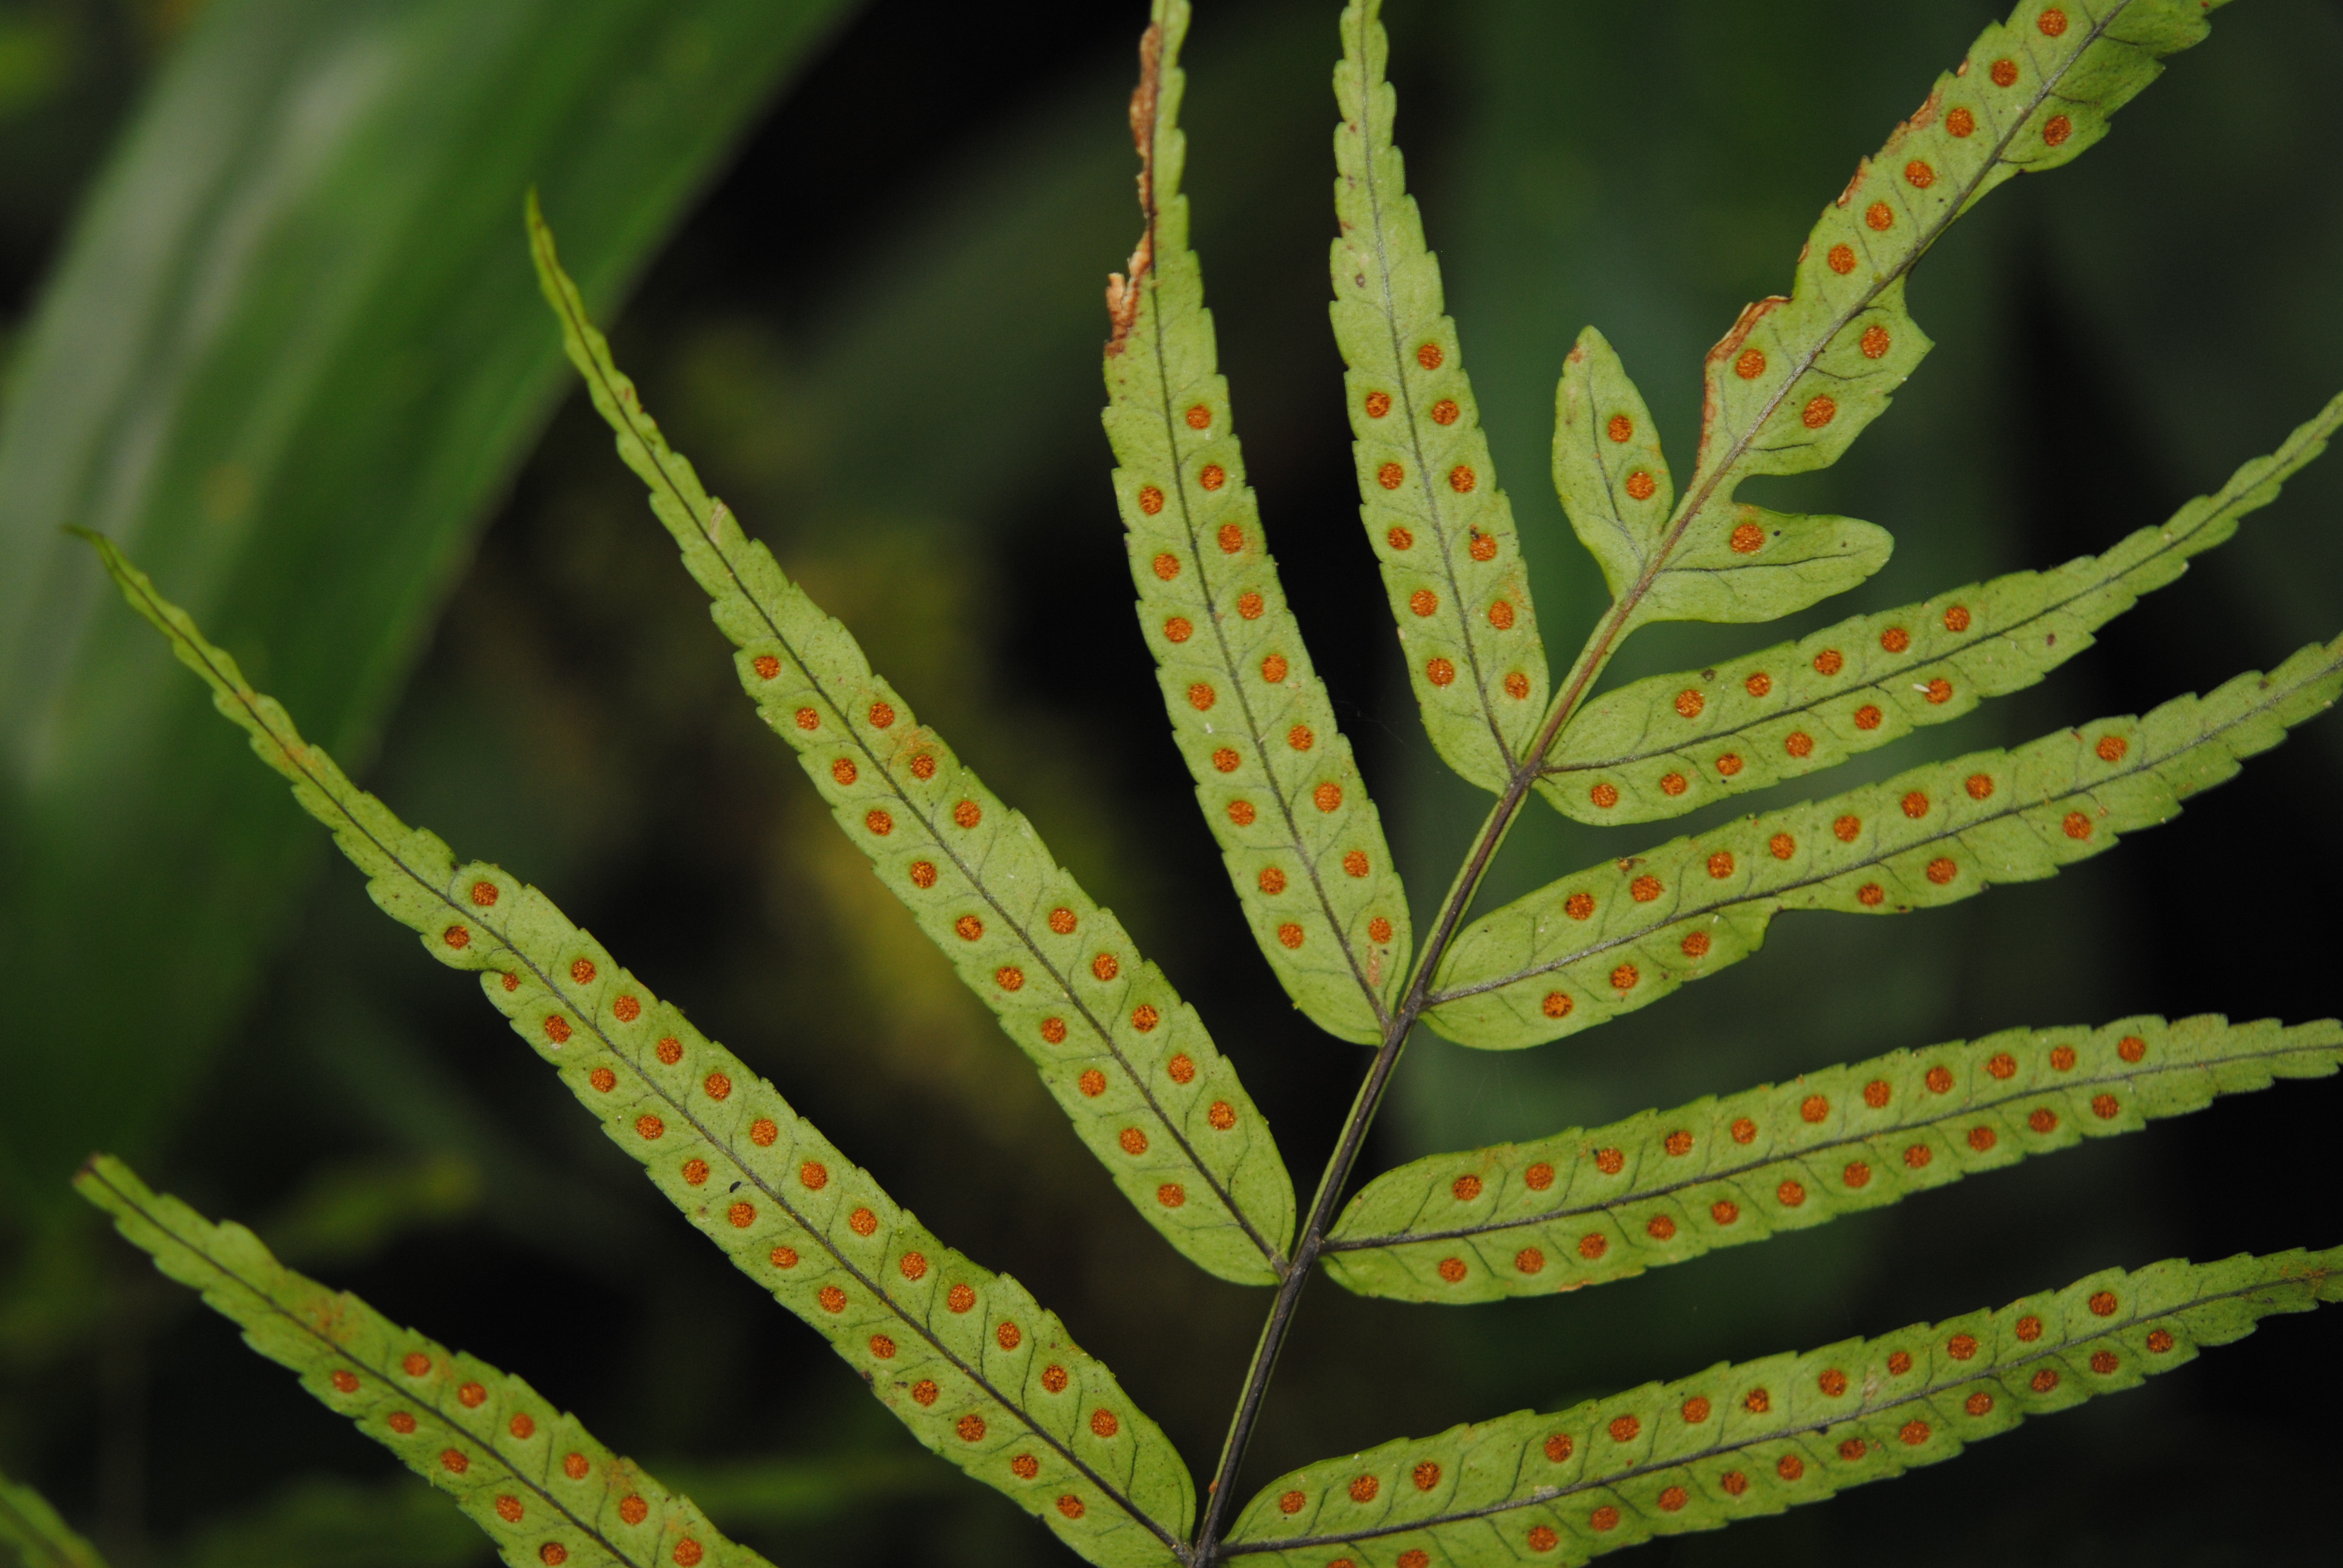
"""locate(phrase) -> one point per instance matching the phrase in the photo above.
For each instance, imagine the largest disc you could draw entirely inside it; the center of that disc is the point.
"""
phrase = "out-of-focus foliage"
(949, 191)
(34, 1537)
(286, 355)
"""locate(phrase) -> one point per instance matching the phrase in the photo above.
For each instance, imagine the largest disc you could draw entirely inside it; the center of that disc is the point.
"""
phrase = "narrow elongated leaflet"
(1736, 1443)
(1613, 482)
(1798, 378)
(964, 1357)
(1664, 746)
(1303, 843)
(31, 1529)
(530, 1475)
(1131, 1064)
(287, 347)
(1440, 527)
(1588, 1205)
(1622, 934)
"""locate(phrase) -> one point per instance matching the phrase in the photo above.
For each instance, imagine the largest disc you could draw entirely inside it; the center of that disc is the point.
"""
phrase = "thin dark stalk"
(1590, 664)
(1454, 907)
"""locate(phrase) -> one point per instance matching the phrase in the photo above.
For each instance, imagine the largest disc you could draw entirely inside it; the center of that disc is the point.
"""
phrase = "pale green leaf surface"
(1274, 773)
(1613, 482)
(1440, 527)
(1608, 467)
(34, 1535)
(1670, 743)
(1771, 564)
(1798, 378)
(1592, 1204)
(288, 355)
(530, 1475)
(1738, 1443)
(1622, 934)
(965, 1357)
(1131, 1063)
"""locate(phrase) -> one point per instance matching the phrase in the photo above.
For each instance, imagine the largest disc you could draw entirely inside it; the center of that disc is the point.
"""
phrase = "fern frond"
(1672, 743)
(965, 1357)
(1303, 843)
(1613, 478)
(1132, 1065)
(31, 1530)
(1623, 934)
(1441, 528)
(1737, 1442)
(531, 1476)
(1797, 378)
(1589, 1205)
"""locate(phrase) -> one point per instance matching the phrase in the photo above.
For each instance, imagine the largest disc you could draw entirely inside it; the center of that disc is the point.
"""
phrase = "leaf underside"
(1275, 775)
(1615, 485)
(1737, 1442)
(1132, 1065)
(1799, 378)
(1670, 744)
(1621, 934)
(1589, 1205)
(967, 1359)
(963, 1357)
(528, 1475)
(1441, 528)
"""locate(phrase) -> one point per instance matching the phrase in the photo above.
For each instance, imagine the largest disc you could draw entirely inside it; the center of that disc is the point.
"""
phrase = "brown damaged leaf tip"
(1854, 183)
(1727, 346)
(1122, 292)
(1751, 314)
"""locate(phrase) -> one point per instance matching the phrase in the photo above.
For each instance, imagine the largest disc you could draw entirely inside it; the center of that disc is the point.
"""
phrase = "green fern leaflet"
(967, 1359)
(546, 1493)
(1742, 1442)
(1131, 1063)
(1594, 1204)
(1622, 935)
(1797, 380)
(1669, 744)
(1441, 528)
(1304, 844)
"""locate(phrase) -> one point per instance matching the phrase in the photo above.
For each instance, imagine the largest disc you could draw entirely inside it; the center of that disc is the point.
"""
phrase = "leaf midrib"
(1865, 1410)
(2272, 696)
(1707, 478)
(1105, 1035)
(589, 1019)
(381, 1376)
(1432, 505)
(2223, 503)
(1845, 1140)
(1151, 309)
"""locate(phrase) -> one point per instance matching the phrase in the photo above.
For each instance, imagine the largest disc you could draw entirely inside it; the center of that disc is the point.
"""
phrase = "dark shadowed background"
(267, 312)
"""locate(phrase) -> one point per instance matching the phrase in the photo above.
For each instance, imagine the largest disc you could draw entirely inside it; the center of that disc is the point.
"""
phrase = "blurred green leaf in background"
(287, 353)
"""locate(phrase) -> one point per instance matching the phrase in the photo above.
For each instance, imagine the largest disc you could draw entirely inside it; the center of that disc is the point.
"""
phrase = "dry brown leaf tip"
(1122, 290)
